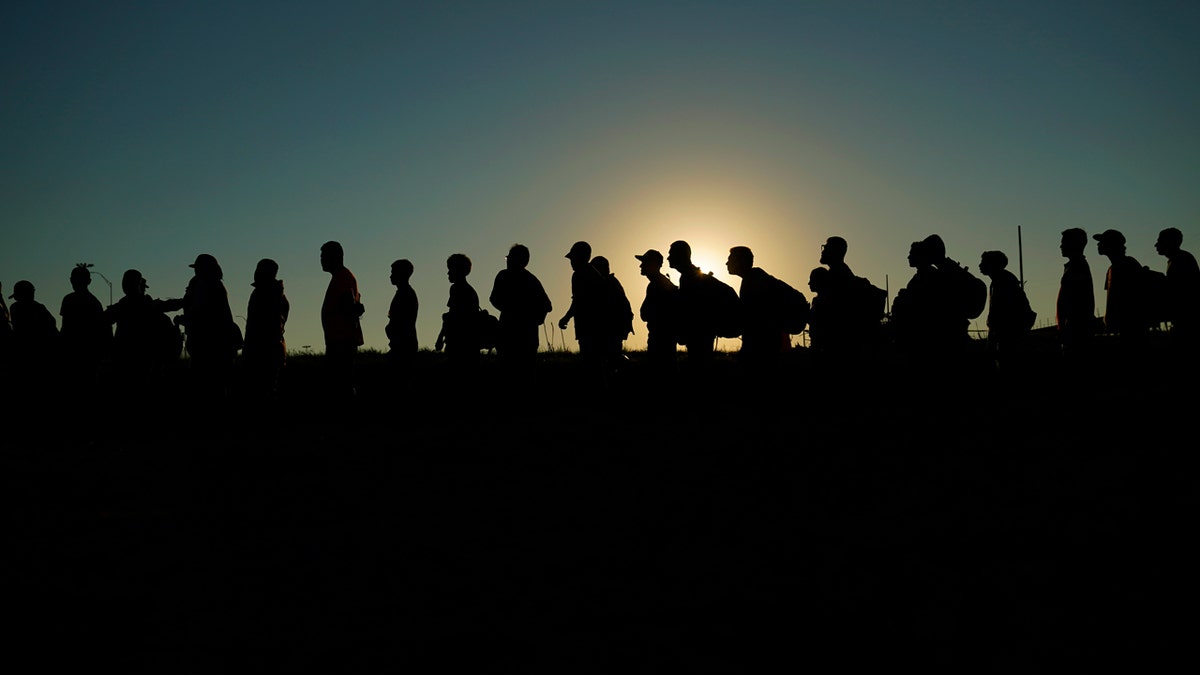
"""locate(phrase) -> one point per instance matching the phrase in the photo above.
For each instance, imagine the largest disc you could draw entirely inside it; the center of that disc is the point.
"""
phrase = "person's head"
(518, 257)
(206, 266)
(265, 271)
(991, 262)
(601, 265)
(458, 266)
(22, 291)
(580, 255)
(402, 271)
(934, 248)
(679, 256)
(1110, 243)
(133, 283)
(833, 250)
(818, 279)
(1169, 241)
(81, 277)
(740, 261)
(1073, 243)
(332, 256)
(649, 262)
(917, 257)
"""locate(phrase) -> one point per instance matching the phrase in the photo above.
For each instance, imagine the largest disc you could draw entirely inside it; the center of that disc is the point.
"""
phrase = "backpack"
(793, 307)
(487, 329)
(970, 293)
(1155, 296)
(721, 303)
(868, 302)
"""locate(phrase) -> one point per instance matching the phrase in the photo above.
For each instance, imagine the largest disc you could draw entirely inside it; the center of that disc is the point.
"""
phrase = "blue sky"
(140, 134)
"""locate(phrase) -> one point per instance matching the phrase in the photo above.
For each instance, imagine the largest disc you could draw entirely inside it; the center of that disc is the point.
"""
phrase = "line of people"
(846, 320)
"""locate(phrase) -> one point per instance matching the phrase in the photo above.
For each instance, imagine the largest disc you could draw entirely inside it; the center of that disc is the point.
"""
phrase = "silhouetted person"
(401, 327)
(587, 305)
(146, 341)
(213, 339)
(764, 337)
(1075, 308)
(617, 313)
(1125, 293)
(6, 336)
(1009, 317)
(265, 351)
(928, 315)
(523, 305)
(697, 325)
(34, 328)
(341, 312)
(852, 306)
(1183, 290)
(460, 323)
(86, 334)
(659, 310)
(833, 256)
(35, 340)
(825, 326)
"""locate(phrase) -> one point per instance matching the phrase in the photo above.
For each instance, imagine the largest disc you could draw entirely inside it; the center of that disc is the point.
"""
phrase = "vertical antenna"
(1020, 257)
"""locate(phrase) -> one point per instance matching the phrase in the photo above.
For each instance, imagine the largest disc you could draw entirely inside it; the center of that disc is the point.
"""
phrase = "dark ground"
(656, 526)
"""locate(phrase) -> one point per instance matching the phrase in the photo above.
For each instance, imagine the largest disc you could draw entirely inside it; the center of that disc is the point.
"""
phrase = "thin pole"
(1020, 257)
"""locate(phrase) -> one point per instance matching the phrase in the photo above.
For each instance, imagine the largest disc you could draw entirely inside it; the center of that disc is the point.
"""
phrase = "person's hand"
(562, 324)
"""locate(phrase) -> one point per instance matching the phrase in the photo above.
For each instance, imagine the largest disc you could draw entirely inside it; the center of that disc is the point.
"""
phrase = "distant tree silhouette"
(401, 327)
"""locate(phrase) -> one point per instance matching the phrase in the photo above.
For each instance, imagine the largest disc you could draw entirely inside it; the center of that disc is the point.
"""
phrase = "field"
(965, 523)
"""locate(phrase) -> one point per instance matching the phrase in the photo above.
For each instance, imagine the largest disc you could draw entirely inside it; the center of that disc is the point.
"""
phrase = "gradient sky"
(140, 134)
